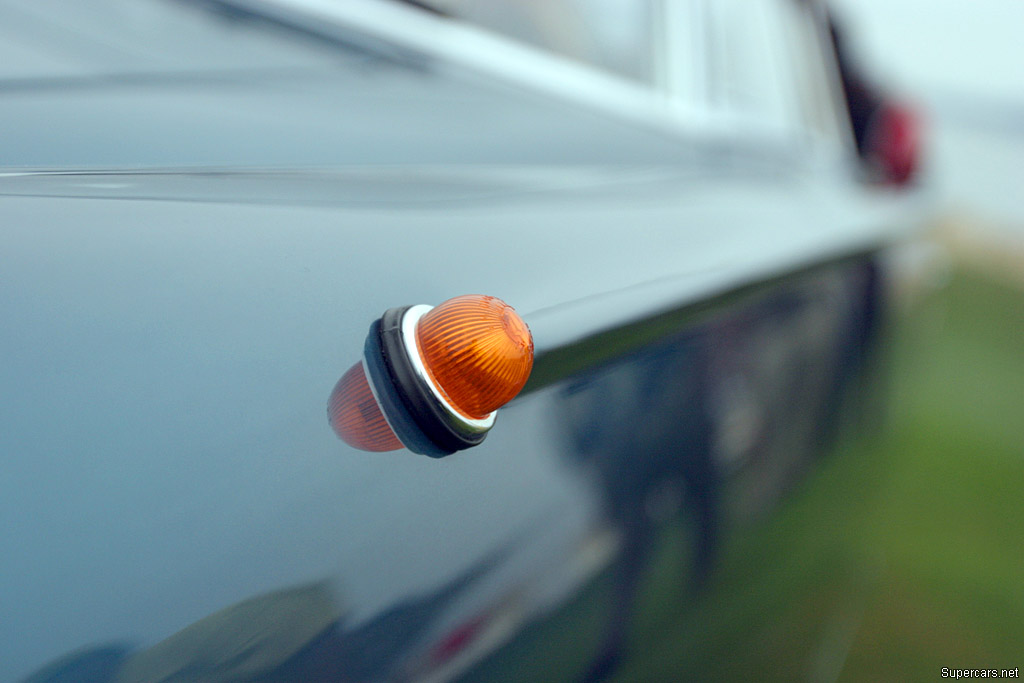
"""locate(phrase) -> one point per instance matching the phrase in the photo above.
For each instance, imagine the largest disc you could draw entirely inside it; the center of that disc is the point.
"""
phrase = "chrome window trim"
(444, 42)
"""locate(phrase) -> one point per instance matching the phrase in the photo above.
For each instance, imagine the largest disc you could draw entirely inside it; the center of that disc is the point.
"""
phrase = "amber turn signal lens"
(355, 415)
(478, 352)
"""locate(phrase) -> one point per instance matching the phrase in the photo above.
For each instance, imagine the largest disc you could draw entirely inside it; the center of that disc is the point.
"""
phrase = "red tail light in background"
(894, 143)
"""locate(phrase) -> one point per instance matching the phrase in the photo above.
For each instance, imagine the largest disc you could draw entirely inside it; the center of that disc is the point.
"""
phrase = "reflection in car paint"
(663, 423)
(711, 425)
(294, 634)
(661, 440)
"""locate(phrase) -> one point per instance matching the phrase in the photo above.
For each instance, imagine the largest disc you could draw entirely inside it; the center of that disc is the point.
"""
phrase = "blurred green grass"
(949, 516)
(902, 553)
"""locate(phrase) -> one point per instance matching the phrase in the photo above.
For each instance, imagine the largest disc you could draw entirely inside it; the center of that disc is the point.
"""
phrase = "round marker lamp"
(432, 379)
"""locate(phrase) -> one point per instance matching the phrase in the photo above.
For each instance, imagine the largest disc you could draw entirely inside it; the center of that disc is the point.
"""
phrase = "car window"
(614, 35)
(758, 64)
(748, 70)
(818, 92)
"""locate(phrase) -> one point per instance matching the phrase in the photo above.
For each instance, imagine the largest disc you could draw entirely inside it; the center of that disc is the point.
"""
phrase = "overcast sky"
(974, 46)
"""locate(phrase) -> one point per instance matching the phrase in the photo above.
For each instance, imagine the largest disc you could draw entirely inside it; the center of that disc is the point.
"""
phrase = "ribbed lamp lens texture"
(355, 415)
(478, 351)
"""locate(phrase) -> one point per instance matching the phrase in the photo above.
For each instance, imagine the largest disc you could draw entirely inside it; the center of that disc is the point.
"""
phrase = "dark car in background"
(205, 205)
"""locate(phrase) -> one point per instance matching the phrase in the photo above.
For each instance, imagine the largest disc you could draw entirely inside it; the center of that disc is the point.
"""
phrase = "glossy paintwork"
(172, 362)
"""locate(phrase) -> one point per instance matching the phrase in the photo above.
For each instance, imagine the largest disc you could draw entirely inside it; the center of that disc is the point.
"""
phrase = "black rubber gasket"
(420, 422)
